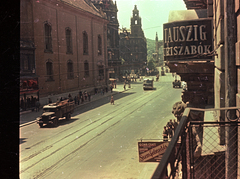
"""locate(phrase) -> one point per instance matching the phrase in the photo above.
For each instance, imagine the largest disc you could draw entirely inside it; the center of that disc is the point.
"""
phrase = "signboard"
(151, 151)
(185, 40)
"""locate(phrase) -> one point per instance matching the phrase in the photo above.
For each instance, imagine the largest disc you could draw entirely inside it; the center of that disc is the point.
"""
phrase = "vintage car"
(147, 83)
(177, 83)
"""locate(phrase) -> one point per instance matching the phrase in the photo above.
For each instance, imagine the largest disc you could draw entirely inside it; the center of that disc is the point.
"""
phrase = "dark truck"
(52, 112)
(177, 83)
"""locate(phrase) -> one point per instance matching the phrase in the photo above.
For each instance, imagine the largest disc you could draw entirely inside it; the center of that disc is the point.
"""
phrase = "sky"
(154, 14)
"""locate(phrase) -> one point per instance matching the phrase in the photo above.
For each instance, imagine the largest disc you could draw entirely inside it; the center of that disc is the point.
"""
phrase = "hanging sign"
(151, 151)
(187, 40)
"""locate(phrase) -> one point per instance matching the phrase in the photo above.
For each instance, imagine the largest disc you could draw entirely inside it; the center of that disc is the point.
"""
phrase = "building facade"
(158, 54)
(209, 61)
(114, 62)
(133, 45)
(69, 44)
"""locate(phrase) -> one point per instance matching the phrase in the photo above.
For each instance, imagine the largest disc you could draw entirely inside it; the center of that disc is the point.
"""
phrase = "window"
(69, 40)
(70, 74)
(49, 67)
(85, 43)
(48, 37)
(101, 73)
(99, 45)
(135, 21)
(86, 69)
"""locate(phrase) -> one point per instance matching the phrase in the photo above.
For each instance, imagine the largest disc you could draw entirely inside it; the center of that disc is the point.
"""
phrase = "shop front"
(29, 93)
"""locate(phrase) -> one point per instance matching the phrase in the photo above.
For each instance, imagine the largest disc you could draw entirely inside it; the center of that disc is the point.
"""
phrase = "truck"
(53, 111)
(147, 83)
(177, 83)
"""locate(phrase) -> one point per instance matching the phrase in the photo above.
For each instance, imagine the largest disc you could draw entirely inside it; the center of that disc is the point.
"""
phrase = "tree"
(151, 64)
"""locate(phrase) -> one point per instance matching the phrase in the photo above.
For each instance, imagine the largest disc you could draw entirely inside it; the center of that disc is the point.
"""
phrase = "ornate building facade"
(67, 46)
(133, 45)
(110, 9)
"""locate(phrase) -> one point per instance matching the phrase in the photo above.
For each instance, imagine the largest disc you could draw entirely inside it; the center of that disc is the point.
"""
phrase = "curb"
(31, 122)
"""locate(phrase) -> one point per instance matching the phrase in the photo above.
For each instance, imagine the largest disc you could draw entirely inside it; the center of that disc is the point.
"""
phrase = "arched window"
(136, 22)
(86, 69)
(70, 74)
(99, 45)
(69, 40)
(48, 37)
(85, 43)
(49, 68)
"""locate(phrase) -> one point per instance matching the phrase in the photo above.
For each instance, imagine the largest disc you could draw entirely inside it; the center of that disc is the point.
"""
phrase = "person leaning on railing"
(165, 134)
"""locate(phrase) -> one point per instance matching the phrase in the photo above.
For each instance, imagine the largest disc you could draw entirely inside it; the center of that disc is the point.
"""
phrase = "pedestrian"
(75, 99)
(170, 124)
(106, 89)
(124, 86)
(70, 98)
(85, 94)
(112, 100)
(89, 96)
(165, 134)
(78, 99)
(103, 90)
(37, 105)
(82, 99)
(170, 132)
(49, 101)
(175, 124)
(129, 85)
(111, 88)
(115, 84)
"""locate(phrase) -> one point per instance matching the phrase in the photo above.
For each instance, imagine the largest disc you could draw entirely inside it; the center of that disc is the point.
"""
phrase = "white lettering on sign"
(177, 34)
(186, 50)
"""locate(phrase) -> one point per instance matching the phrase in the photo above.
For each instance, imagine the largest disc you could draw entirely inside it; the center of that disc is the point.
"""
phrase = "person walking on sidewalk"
(112, 100)
(124, 86)
(111, 88)
(37, 105)
(89, 96)
(78, 99)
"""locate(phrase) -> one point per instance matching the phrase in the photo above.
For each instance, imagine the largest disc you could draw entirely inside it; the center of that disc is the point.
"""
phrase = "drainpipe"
(231, 132)
(59, 68)
(93, 64)
(105, 56)
(78, 63)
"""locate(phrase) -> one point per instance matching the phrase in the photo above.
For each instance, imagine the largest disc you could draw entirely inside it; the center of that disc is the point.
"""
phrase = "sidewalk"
(33, 114)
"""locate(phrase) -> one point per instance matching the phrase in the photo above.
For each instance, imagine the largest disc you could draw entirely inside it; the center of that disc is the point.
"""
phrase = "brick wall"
(61, 17)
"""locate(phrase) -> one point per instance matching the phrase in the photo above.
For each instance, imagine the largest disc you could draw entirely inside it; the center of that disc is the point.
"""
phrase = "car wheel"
(68, 116)
(55, 122)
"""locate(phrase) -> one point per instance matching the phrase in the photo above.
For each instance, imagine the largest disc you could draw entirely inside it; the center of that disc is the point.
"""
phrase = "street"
(100, 141)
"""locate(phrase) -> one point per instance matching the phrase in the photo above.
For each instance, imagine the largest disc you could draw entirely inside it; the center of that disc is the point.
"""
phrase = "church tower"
(136, 24)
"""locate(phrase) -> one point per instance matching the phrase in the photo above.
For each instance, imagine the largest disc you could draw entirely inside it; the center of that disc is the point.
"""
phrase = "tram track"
(109, 117)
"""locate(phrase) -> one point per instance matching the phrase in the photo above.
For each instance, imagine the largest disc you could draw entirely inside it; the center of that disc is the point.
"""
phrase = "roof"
(84, 5)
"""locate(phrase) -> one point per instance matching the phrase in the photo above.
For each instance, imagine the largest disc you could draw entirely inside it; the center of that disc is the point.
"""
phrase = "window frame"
(69, 40)
(99, 45)
(49, 70)
(85, 43)
(70, 71)
(47, 37)
(86, 69)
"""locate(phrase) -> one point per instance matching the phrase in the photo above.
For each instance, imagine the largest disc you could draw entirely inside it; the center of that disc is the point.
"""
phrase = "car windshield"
(49, 110)
(148, 81)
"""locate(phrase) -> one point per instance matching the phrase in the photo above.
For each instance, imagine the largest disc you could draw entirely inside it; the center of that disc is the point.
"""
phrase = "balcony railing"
(200, 154)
